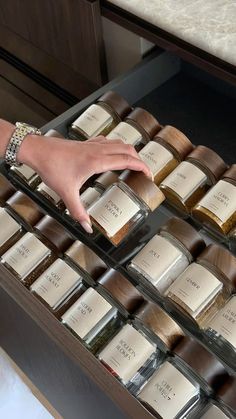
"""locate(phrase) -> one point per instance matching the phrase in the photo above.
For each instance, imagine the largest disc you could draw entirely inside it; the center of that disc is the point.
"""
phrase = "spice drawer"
(178, 94)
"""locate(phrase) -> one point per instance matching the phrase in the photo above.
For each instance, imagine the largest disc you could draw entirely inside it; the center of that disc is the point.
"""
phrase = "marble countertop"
(207, 24)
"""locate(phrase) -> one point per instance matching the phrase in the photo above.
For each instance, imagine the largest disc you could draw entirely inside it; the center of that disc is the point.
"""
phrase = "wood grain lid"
(121, 289)
(203, 363)
(116, 102)
(144, 188)
(221, 260)
(25, 207)
(145, 120)
(53, 133)
(209, 160)
(227, 393)
(185, 234)
(176, 140)
(160, 323)
(107, 179)
(86, 259)
(230, 173)
(54, 232)
(6, 189)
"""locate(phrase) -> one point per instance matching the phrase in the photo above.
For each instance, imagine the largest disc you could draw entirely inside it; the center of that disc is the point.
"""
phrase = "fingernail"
(87, 227)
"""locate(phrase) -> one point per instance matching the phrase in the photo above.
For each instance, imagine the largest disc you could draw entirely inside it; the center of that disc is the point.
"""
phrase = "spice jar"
(180, 383)
(221, 330)
(130, 355)
(20, 213)
(26, 173)
(50, 195)
(187, 184)
(34, 252)
(204, 287)
(6, 190)
(166, 255)
(166, 150)
(139, 126)
(92, 319)
(161, 328)
(85, 261)
(124, 205)
(217, 209)
(101, 117)
(57, 285)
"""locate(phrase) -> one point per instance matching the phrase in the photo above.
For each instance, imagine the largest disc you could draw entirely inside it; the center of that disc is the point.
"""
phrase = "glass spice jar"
(20, 213)
(129, 355)
(160, 326)
(34, 252)
(101, 117)
(139, 126)
(124, 206)
(217, 209)
(221, 331)
(165, 151)
(190, 181)
(26, 173)
(6, 190)
(204, 287)
(182, 381)
(50, 195)
(57, 285)
(98, 313)
(86, 261)
(166, 255)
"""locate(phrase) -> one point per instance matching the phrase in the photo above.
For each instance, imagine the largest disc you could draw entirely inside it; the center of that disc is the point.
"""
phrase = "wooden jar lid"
(227, 393)
(116, 102)
(106, 179)
(230, 173)
(145, 121)
(54, 232)
(185, 234)
(25, 207)
(176, 140)
(144, 188)
(209, 160)
(86, 259)
(121, 290)
(6, 189)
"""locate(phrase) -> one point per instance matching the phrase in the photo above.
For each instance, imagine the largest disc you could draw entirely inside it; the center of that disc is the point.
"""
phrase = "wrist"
(29, 150)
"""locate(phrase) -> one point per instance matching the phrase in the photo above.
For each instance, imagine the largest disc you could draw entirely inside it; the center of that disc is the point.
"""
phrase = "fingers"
(122, 162)
(104, 140)
(77, 211)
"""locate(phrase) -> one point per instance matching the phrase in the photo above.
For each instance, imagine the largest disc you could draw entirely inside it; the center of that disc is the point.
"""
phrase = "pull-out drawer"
(176, 94)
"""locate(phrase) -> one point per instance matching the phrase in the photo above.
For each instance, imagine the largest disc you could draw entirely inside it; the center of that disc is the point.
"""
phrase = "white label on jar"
(214, 413)
(168, 391)
(185, 179)
(53, 195)
(87, 311)
(26, 255)
(93, 120)
(196, 287)
(160, 260)
(126, 133)
(155, 156)
(113, 210)
(89, 196)
(56, 283)
(8, 226)
(221, 200)
(127, 352)
(24, 171)
(224, 323)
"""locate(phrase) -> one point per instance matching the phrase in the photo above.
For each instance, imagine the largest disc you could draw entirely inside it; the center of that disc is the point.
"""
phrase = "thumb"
(78, 212)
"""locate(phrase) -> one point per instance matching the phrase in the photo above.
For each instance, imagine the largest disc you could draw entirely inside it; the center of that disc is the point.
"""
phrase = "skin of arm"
(65, 165)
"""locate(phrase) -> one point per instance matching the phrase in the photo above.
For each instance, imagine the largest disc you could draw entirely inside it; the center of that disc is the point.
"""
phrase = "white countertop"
(207, 24)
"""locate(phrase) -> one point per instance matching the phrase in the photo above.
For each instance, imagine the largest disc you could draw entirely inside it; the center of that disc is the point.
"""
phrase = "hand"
(65, 165)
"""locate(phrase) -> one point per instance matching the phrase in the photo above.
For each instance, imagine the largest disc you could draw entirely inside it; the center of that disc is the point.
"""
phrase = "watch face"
(27, 127)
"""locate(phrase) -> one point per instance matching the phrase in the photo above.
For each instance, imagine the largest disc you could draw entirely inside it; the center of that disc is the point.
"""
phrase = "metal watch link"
(21, 131)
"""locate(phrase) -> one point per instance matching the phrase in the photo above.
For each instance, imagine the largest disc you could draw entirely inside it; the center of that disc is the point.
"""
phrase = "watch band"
(18, 136)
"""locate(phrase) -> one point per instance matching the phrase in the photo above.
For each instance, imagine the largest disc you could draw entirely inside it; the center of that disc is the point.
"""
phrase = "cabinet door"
(62, 40)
